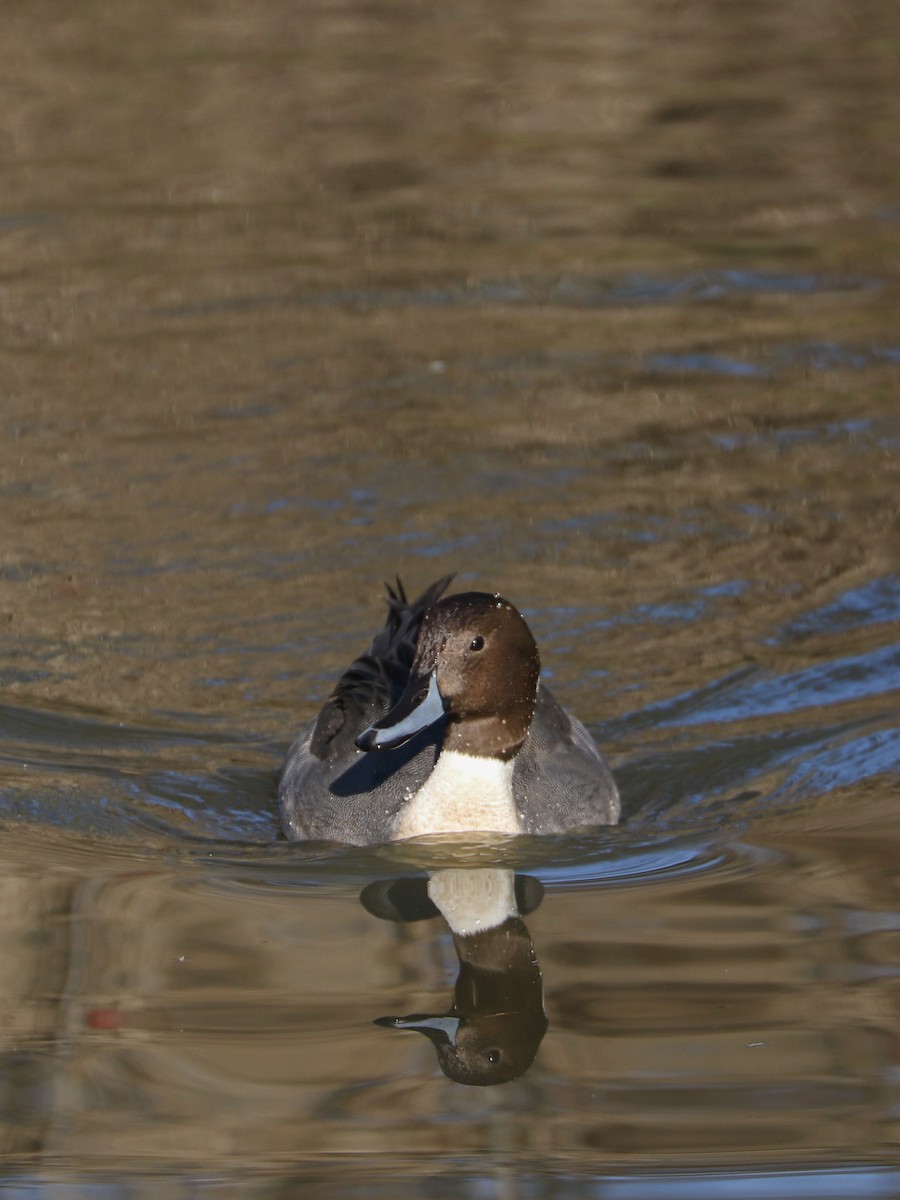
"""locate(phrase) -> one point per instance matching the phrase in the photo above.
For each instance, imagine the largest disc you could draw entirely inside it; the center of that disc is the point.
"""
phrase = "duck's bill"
(439, 1029)
(419, 706)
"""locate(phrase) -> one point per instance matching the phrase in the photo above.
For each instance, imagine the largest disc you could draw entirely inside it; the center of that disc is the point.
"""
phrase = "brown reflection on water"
(197, 1021)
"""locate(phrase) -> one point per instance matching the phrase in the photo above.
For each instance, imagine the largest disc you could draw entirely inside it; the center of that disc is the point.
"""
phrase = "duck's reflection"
(492, 1030)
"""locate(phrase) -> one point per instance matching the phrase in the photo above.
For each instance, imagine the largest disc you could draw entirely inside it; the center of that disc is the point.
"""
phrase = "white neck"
(465, 793)
(472, 901)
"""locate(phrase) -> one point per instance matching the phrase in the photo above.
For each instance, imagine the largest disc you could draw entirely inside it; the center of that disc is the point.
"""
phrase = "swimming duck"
(444, 727)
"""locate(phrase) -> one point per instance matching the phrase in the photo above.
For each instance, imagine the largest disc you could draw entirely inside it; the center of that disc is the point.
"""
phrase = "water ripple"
(582, 291)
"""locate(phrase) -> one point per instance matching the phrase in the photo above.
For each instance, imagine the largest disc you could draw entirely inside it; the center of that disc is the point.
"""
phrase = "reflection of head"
(496, 1021)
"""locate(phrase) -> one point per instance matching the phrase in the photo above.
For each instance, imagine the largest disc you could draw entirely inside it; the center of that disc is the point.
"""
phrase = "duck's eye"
(477, 643)
(493, 1056)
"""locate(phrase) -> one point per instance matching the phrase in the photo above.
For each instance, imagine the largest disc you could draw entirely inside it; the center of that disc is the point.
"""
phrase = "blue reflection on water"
(863, 1182)
(813, 356)
(575, 622)
(794, 436)
(836, 681)
(848, 762)
(650, 862)
(825, 1184)
(567, 290)
(711, 364)
(872, 603)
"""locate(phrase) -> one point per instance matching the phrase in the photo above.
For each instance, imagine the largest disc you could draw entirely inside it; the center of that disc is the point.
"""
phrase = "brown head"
(477, 665)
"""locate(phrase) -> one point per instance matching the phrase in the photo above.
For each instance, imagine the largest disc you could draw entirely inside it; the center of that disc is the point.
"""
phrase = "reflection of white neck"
(473, 901)
(465, 793)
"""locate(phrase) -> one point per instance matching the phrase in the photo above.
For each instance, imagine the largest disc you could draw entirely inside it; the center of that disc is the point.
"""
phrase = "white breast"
(465, 793)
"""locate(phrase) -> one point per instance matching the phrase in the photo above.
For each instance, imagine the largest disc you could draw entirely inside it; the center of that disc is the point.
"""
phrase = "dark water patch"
(90, 772)
(11, 676)
(811, 356)
(564, 291)
(24, 571)
(135, 566)
(785, 438)
(89, 813)
(102, 800)
(690, 609)
(830, 356)
(134, 806)
(433, 543)
(622, 526)
(59, 726)
(561, 624)
(10, 222)
(250, 410)
(702, 362)
(512, 374)
(702, 286)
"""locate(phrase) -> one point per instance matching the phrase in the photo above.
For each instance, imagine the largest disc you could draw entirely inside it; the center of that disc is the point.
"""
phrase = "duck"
(444, 726)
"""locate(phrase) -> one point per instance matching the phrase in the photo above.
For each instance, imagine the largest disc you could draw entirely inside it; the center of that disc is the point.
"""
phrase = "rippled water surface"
(595, 305)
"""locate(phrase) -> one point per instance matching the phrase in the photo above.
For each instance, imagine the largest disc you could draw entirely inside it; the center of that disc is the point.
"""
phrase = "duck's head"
(476, 665)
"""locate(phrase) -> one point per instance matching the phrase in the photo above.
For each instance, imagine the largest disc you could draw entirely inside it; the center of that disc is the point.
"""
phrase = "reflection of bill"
(495, 1024)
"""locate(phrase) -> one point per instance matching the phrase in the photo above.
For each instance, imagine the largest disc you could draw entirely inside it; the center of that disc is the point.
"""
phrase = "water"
(596, 307)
